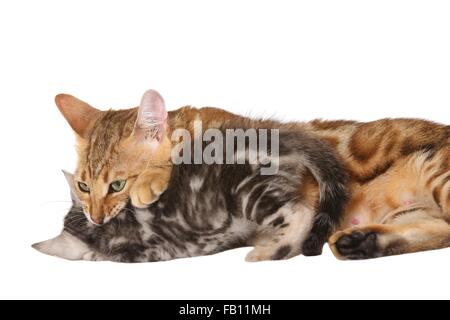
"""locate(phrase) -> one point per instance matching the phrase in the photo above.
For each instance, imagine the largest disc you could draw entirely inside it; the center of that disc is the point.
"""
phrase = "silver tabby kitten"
(211, 208)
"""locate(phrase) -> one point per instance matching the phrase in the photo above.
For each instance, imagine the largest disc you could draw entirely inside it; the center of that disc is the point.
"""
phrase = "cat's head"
(114, 147)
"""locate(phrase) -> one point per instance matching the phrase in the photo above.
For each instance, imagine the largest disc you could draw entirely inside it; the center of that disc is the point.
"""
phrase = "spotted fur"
(211, 208)
(399, 186)
(114, 145)
(392, 164)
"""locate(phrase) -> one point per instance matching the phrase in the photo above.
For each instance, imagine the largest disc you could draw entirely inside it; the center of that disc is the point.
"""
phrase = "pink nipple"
(355, 221)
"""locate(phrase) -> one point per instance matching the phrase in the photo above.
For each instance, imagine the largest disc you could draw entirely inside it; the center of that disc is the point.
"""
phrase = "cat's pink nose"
(97, 220)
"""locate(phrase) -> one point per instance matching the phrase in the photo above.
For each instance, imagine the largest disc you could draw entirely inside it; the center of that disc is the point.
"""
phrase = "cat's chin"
(65, 246)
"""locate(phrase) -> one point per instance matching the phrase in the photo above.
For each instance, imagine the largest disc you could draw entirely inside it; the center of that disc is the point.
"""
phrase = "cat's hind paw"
(355, 245)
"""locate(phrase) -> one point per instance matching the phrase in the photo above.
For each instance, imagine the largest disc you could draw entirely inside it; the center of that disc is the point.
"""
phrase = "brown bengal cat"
(400, 186)
(399, 170)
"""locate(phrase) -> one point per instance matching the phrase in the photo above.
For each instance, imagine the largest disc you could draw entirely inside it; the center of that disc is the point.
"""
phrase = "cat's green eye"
(84, 187)
(117, 186)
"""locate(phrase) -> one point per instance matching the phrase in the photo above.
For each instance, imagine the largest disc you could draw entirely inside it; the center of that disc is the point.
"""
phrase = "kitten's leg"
(68, 247)
(419, 230)
(149, 186)
(282, 234)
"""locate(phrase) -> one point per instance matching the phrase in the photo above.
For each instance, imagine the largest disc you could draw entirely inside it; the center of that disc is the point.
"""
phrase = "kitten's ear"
(71, 181)
(78, 114)
(151, 122)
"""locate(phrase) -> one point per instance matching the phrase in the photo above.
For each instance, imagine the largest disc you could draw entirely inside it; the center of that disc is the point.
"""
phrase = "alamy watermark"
(228, 146)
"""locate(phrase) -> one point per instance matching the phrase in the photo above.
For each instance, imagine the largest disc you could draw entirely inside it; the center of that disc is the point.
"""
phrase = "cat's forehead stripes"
(83, 175)
(104, 139)
(106, 176)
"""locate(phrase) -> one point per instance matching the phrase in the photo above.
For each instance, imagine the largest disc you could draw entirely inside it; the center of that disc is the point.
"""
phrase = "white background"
(292, 59)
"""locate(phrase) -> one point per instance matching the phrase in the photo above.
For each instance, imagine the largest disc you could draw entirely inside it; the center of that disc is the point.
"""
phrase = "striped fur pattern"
(399, 183)
(114, 145)
(399, 177)
(211, 208)
(111, 146)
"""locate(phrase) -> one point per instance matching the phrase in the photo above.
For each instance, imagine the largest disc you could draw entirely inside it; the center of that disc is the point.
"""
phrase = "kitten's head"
(114, 147)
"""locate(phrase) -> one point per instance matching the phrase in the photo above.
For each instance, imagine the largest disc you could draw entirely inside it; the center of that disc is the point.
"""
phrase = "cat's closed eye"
(117, 186)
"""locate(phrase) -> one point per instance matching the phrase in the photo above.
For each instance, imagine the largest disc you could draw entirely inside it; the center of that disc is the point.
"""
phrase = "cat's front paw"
(144, 194)
(355, 244)
(147, 189)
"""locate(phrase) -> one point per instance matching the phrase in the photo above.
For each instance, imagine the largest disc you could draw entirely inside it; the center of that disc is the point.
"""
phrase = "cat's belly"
(368, 212)
(406, 185)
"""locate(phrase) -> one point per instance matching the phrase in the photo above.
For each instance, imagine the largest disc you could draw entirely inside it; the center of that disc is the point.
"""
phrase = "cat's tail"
(332, 178)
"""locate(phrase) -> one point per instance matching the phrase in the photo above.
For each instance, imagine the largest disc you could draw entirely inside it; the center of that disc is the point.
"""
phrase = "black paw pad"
(358, 245)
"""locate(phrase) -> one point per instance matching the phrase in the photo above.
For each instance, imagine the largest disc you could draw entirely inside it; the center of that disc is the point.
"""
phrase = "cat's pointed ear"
(78, 114)
(71, 182)
(151, 122)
